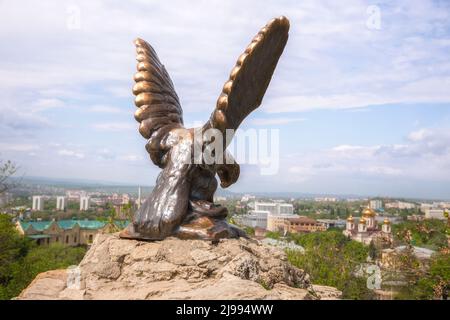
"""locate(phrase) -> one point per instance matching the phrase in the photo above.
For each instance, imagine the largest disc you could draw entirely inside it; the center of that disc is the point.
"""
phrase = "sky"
(360, 96)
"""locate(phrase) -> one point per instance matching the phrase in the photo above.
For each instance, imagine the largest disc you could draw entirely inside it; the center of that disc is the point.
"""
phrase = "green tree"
(372, 251)
(7, 169)
(40, 259)
(21, 260)
(428, 233)
(13, 248)
(273, 234)
(250, 231)
(331, 259)
(128, 210)
(433, 283)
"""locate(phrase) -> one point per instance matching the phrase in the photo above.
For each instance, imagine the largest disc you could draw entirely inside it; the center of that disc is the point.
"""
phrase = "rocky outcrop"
(114, 268)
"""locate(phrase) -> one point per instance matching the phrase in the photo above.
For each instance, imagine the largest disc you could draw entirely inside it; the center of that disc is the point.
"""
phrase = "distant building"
(61, 203)
(325, 199)
(38, 203)
(85, 203)
(293, 224)
(400, 205)
(277, 222)
(442, 205)
(275, 208)
(254, 219)
(278, 216)
(258, 217)
(425, 206)
(366, 230)
(68, 232)
(247, 198)
(303, 224)
(376, 204)
(435, 214)
(332, 223)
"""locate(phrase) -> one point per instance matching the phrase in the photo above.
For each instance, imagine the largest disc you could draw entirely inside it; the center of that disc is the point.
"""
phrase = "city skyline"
(360, 95)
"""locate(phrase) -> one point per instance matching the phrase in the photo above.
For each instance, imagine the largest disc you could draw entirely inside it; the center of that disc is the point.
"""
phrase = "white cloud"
(49, 103)
(275, 121)
(114, 126)
(131, 157)
(16, 122)
(20, 147)
(105, 154)
(419, 135)
(71, 153)
(105, 109)
(425, 156)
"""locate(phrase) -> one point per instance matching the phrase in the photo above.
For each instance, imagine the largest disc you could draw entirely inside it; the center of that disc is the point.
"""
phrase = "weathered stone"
(327, 293)
(115, 268)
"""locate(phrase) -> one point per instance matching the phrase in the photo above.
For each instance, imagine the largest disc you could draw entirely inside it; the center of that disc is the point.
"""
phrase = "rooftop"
(70, 224)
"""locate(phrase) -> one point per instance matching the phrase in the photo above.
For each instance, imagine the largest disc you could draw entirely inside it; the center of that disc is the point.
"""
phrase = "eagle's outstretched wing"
(248, 81)
(159, 109)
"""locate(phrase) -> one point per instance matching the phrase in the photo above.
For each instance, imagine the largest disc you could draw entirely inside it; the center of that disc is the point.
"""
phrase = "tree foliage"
(7, 169)
(428, 233)
(432, 283)
(21, 260)
(331, 259)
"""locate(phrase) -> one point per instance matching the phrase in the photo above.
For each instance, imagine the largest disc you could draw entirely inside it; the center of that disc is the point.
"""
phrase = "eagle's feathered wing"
(159, 110)
(249, 79)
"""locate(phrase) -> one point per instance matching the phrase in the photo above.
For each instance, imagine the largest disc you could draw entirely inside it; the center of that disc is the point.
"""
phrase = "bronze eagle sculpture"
(181, 203)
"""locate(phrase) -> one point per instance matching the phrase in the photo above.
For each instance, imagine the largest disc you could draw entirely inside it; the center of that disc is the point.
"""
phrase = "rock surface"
(114, 268)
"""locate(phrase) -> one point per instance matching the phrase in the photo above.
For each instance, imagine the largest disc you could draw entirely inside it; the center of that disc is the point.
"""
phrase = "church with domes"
(365, 229)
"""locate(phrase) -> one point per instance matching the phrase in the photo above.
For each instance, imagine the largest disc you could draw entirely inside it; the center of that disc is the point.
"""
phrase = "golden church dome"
(350, 218)
(368, 213)
(362, 220)
(387, 221)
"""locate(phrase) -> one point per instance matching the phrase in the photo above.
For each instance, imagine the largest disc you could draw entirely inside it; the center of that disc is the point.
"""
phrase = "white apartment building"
(254, 219)
(61, 203)
(425, 206)
(247, 198)
(85, 203)
(38, 203)
(442, 205)
(274, 208)
(435, 214)
(263, 212)
(376, 204)
(400, 205)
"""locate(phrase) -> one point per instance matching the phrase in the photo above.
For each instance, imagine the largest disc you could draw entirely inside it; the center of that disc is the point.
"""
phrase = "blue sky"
(362, 107)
